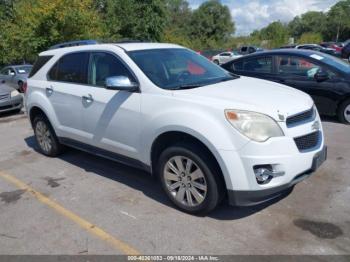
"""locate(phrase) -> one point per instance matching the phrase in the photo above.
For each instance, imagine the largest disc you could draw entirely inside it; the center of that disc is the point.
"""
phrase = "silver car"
(10, 99)
(15, 75)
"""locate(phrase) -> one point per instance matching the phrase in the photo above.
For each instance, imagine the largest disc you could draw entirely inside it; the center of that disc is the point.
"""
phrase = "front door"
(111, 118)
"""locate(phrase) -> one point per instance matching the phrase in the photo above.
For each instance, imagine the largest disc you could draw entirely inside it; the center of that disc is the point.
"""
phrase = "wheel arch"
(170, 138)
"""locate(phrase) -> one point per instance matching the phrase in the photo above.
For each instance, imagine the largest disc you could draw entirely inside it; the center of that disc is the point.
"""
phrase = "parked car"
(336, 46)
(225, 57)
(205, 133)
(245, 50)
(324, 77)
(10, 99)
(318, 48)
(15, 75)
(345, 54)
(210, 53)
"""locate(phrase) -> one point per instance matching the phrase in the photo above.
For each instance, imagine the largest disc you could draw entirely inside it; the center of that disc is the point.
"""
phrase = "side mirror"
(121, 83)
(321, 76)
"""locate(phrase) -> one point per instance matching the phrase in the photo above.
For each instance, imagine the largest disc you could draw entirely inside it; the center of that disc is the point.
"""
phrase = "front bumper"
(250, 198)
(11, 104)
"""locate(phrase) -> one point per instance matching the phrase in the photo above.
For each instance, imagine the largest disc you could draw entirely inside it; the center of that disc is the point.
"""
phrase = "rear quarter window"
(39, 63)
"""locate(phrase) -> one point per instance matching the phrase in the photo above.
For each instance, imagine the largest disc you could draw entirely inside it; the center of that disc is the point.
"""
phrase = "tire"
(20, 86)
(204, 179)
(344, 112)
(46, 137)
(216, 62)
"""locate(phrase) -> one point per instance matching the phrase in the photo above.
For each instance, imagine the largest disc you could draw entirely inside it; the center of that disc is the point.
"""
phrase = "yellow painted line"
(91, 228)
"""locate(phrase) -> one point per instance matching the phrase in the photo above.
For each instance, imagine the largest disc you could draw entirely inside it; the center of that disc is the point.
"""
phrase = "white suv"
(205, 133)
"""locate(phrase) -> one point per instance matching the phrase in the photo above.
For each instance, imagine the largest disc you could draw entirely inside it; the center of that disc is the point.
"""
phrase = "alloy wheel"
(347, 113)
(43, 135)
(185, 181)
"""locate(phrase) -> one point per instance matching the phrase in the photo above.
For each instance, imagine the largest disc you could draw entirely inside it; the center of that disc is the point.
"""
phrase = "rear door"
(299, 72)
(67, 80)
(111, 118)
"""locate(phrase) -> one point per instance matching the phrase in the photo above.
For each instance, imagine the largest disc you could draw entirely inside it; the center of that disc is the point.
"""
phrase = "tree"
(136, 19)
(276, 33)
(309, 22)
(46, 23)
(211, 24)
(308, 38)
(338, 21)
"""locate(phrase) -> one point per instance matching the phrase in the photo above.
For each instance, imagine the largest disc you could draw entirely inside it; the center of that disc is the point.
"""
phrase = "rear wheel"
(216, 62)
(190, 179)
(46, 137)
(344, 112)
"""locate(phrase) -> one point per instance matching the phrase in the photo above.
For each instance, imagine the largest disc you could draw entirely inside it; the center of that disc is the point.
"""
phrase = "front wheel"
(216, 62)
(344, 112)
(20, 87)
(190, 179)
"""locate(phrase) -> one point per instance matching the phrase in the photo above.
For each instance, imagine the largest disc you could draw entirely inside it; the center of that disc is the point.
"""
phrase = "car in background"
(245, 50)
(10, 99)
(345, 52)
(318, 48)
(225, 57)
(336, 46)
(15, 76)
(210, 53)
(325, 78)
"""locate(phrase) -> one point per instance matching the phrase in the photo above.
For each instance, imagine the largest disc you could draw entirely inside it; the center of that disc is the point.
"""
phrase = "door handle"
(88, 98)
(49, 90)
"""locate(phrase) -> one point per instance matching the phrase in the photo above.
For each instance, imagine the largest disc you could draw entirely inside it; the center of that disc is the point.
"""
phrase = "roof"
(126, 46)
(285, 51)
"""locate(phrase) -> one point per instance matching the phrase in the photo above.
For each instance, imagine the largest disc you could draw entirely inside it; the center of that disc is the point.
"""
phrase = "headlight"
(14, 93)
(256, 126)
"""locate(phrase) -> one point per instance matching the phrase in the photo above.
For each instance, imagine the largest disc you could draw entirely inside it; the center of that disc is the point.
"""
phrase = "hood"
(251, 94)
(4, 89)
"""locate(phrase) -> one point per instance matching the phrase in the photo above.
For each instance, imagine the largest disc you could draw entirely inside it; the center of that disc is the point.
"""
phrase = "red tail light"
(25, 87)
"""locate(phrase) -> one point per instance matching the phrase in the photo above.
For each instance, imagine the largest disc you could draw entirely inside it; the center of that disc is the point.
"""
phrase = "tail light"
(25, 87)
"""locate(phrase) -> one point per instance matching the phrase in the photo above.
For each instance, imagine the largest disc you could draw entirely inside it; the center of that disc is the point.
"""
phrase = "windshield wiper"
(186, 86)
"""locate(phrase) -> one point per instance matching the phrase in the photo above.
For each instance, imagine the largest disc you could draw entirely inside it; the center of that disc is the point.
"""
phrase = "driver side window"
(104, 65)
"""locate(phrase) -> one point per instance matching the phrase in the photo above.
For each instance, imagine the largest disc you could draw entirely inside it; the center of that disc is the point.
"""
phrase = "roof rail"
(74, 43)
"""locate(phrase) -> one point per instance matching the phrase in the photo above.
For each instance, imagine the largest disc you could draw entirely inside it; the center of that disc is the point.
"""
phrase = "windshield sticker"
(318, 57)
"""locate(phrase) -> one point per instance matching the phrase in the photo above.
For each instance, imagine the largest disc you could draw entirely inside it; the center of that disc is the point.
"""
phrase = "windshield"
(338, 63)
(178, 68)
(23, 69)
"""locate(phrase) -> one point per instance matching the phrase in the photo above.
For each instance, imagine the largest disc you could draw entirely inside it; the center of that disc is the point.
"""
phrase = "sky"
(256, 14)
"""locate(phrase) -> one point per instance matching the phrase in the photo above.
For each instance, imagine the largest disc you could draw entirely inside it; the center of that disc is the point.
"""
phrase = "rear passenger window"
(104, 65)
(72, 68)
(39, 63)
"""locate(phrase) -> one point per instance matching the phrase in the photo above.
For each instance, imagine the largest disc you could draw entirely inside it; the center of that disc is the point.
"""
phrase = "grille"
(5, 96)
(308, 142)
(301, 118)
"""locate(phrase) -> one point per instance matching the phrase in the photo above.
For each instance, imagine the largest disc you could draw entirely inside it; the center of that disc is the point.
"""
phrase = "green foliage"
(307, 38)
(276, 34)
(211, 24)
(135, 19)
(310, 22)
(338, 21)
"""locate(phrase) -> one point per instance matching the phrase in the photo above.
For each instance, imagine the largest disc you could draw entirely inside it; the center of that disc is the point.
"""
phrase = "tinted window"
(105, 65)
(225, 54)
(5, 71)
(39, 63)
(23, 69)
(258, 64)
(71, 68)
(298, 66)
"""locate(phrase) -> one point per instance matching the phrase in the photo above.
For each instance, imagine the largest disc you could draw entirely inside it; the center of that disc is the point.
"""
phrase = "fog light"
(265, 173)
